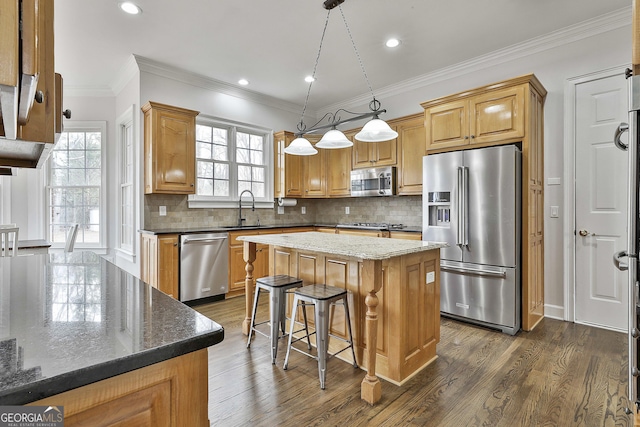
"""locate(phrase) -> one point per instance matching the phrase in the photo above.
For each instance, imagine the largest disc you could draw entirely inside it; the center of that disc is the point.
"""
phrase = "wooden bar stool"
(321, 297)
(277, 286)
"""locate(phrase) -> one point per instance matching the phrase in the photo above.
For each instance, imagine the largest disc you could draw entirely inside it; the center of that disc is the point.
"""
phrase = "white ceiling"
(274, 43)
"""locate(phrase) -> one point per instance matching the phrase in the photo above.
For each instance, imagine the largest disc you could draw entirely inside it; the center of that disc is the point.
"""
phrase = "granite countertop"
(225, 229)
(32, 244)
(71, 319)
(362, 247)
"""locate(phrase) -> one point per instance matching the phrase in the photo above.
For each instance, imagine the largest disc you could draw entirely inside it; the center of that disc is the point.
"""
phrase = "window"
(231, 158)
(126, 168)
(74, 185)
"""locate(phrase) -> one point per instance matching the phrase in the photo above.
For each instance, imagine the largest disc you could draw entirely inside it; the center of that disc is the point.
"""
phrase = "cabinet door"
(280, 141)
(362, 153)
(237, 270)
(169, 144)
(149, 259)
(447, 125)
(411, 149)
(175, 153)
(292, 174)
(168, 264)
(497, 116)
(41, 121)
(314, 167)
(385, 153)
(339, 172)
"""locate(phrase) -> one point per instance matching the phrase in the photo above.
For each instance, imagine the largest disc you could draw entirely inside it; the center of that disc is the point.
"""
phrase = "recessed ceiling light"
(243, 82)
(309, 79)
(392, 43)
(130, 7)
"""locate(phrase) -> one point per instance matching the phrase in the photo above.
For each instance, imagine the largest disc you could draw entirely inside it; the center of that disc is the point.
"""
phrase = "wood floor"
(561, 374)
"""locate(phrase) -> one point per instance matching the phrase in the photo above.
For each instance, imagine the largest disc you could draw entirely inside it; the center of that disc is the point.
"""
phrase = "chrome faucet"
(253, 206)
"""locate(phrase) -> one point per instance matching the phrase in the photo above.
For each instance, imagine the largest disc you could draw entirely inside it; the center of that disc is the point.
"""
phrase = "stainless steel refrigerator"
(633, 249)
(471, 200)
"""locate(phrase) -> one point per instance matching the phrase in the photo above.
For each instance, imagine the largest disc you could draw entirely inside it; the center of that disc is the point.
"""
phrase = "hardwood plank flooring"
(561, 374)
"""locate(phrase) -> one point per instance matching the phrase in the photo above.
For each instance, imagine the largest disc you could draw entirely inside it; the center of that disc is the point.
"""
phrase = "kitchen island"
(393, 288)
(77, 331)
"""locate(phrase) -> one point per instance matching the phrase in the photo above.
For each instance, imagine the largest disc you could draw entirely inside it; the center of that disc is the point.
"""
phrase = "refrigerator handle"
(616, 261)
(622, 128)
(459, 230)
(465, 205)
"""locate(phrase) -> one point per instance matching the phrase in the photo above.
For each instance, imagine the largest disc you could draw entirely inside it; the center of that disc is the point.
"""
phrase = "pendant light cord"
(301, 126)
(357, 54)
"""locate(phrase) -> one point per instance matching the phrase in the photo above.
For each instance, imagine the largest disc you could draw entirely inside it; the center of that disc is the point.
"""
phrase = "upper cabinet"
(411, 149)
(314, 169)
(169, 149)
(478, 118)
(338, 170)
(287, 168)
(30, 92)
(374, 154)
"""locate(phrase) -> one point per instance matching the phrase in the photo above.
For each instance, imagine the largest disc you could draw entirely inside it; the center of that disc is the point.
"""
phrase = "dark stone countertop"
(224, 229)
(71, 319)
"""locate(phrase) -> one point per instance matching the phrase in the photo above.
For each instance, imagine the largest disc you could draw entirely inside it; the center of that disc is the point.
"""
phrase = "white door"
(600, 203)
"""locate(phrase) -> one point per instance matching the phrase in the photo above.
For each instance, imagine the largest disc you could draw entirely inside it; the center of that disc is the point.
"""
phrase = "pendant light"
(334, 139)
(376, 130)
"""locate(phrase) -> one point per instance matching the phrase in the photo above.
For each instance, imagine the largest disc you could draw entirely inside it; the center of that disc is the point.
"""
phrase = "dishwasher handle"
(203, 240)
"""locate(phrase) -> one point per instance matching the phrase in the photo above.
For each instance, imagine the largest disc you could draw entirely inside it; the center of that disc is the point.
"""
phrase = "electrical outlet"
(280, 210)
(346, 210)
(431, 277)
(555, 211)
(163, 211)
(303, 210)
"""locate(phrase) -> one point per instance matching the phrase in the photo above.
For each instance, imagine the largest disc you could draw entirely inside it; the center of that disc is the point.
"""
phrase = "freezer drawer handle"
(501, 273)
(622, 128)
(211, 239)
(622, 266)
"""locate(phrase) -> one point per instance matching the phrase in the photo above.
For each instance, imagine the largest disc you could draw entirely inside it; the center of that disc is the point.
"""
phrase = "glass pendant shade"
(300, 147)
(334, 139)
(376, 130)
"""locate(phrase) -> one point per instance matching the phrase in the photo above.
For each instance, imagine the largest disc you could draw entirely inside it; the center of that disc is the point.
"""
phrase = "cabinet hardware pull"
(39, 97)
(67, 113)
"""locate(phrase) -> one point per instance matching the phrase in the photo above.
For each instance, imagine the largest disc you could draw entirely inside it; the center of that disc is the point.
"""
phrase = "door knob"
(585, 233)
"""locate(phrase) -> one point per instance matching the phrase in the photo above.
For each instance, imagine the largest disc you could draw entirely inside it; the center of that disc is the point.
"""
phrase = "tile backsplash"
(406, 210)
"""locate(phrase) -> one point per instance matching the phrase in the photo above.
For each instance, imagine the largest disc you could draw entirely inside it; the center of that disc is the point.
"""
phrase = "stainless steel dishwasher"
(204, 265)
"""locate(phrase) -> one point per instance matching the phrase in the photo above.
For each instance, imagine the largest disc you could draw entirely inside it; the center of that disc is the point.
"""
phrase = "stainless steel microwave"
(373, 182)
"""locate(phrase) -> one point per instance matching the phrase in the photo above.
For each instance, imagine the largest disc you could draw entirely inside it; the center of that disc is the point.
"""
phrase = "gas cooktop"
(372, 226)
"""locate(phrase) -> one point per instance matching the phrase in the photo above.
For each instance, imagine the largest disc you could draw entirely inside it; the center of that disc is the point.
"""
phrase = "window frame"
(126, 120)
(83, 126)
(266, 202)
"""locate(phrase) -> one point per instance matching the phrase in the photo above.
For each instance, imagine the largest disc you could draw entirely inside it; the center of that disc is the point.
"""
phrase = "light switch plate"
(163, 211)
(555, 211)
(303, 210)
(431, 277)
(346, 210)
(280, 210)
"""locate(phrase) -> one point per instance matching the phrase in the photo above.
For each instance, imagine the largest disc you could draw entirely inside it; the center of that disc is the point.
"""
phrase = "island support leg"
(371, 389)
(249, 255)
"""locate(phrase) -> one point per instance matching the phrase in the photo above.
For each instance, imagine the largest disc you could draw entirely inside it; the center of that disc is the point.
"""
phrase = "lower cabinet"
(171, 392)
(160, 261)
(237, 272)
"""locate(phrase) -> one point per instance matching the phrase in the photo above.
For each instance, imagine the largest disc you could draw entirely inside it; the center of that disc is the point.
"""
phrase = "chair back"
(8, 240)
(72, 233)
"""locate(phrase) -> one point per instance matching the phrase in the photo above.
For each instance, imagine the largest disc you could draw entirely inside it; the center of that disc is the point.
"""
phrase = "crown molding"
(583, 30)
(160, 69)
(129, 71)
